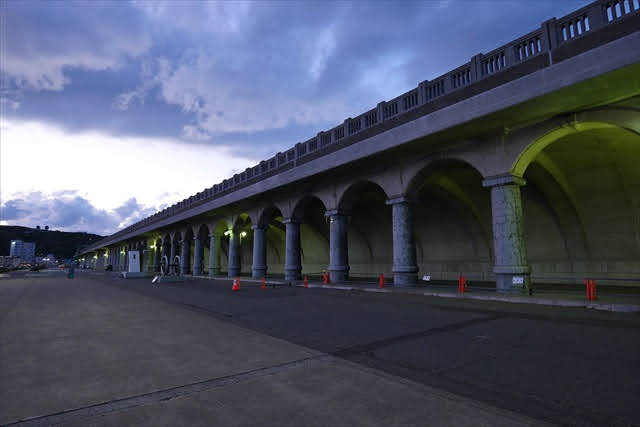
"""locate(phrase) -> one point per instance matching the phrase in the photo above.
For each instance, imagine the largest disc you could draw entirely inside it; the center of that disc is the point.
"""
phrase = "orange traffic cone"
(591, 289)
(264, 284)
(462, 284)
(306, 282)
(236, 285)
(381, 281)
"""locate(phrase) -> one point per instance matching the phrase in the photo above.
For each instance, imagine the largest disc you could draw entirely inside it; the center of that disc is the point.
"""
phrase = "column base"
(295, 274)
(405, 279)
(197, 272)
(233, 272)
(259, 272)
(519, 283)
(338, 273)
(214, 271)
(405, 276)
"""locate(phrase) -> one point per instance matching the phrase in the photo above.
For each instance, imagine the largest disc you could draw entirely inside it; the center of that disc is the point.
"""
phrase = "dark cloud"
(257, 77)
(41, 41)
(68, 211)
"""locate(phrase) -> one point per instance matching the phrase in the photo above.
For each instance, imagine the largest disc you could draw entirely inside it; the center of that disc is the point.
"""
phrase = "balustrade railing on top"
(551, 35)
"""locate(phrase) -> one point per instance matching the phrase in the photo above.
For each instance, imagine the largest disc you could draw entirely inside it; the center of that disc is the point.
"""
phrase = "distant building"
(9, 261)
(24, 250)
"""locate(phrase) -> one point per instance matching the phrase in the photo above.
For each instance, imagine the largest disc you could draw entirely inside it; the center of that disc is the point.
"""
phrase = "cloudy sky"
(113, 110)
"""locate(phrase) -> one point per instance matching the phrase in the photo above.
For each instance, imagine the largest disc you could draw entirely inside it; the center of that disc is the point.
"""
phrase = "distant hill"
(62, 244)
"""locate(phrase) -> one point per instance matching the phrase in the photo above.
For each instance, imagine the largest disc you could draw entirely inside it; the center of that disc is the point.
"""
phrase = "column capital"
(503, 179)
(337, 212)
(399, 199)
(291, 221)
(258, 227)
(215, 234)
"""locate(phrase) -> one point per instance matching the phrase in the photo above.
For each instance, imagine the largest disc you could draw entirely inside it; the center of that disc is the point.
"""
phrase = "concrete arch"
(300, 205)
(274, 238)
(176, 237)
(624, 118)
(184, 235)
(220, 226)
(198, 252)
(268, 213)
(582, 183)
(201, 232)
(309, 210)
(533, 149)
(422, 177)
(369, 229)
(420, 172)
(452, 220)
(241, 229)
(166, 238)
(347, 197)
(242, 221)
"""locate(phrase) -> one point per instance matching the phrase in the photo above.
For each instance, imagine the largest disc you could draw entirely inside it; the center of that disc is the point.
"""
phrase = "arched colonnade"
(554, 202)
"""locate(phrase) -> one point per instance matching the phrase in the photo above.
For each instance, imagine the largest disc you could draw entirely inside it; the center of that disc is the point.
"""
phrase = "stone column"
(172, 255)
(184, 256)
(510, 249)
(141, 256)
(234, 254)
(405, 270)
(100, 261)
(338, 248)
(163, 253)
(214, 254)
(259, 268)
(292, 262)
(197, 257)
(156, 259)
(146, 258)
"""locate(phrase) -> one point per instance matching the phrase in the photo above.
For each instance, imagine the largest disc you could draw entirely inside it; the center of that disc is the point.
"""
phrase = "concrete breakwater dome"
(522, 165)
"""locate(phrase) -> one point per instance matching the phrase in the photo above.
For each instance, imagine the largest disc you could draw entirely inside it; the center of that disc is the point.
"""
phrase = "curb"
(612, 307)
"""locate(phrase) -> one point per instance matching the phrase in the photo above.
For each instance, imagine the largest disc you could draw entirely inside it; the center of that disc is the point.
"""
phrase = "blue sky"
(112, 110)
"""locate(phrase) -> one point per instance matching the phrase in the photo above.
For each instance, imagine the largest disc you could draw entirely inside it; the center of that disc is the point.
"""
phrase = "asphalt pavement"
(311, 356)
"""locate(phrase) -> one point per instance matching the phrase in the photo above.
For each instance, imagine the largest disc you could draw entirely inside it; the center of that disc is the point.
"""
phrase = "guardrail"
(551, 35)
